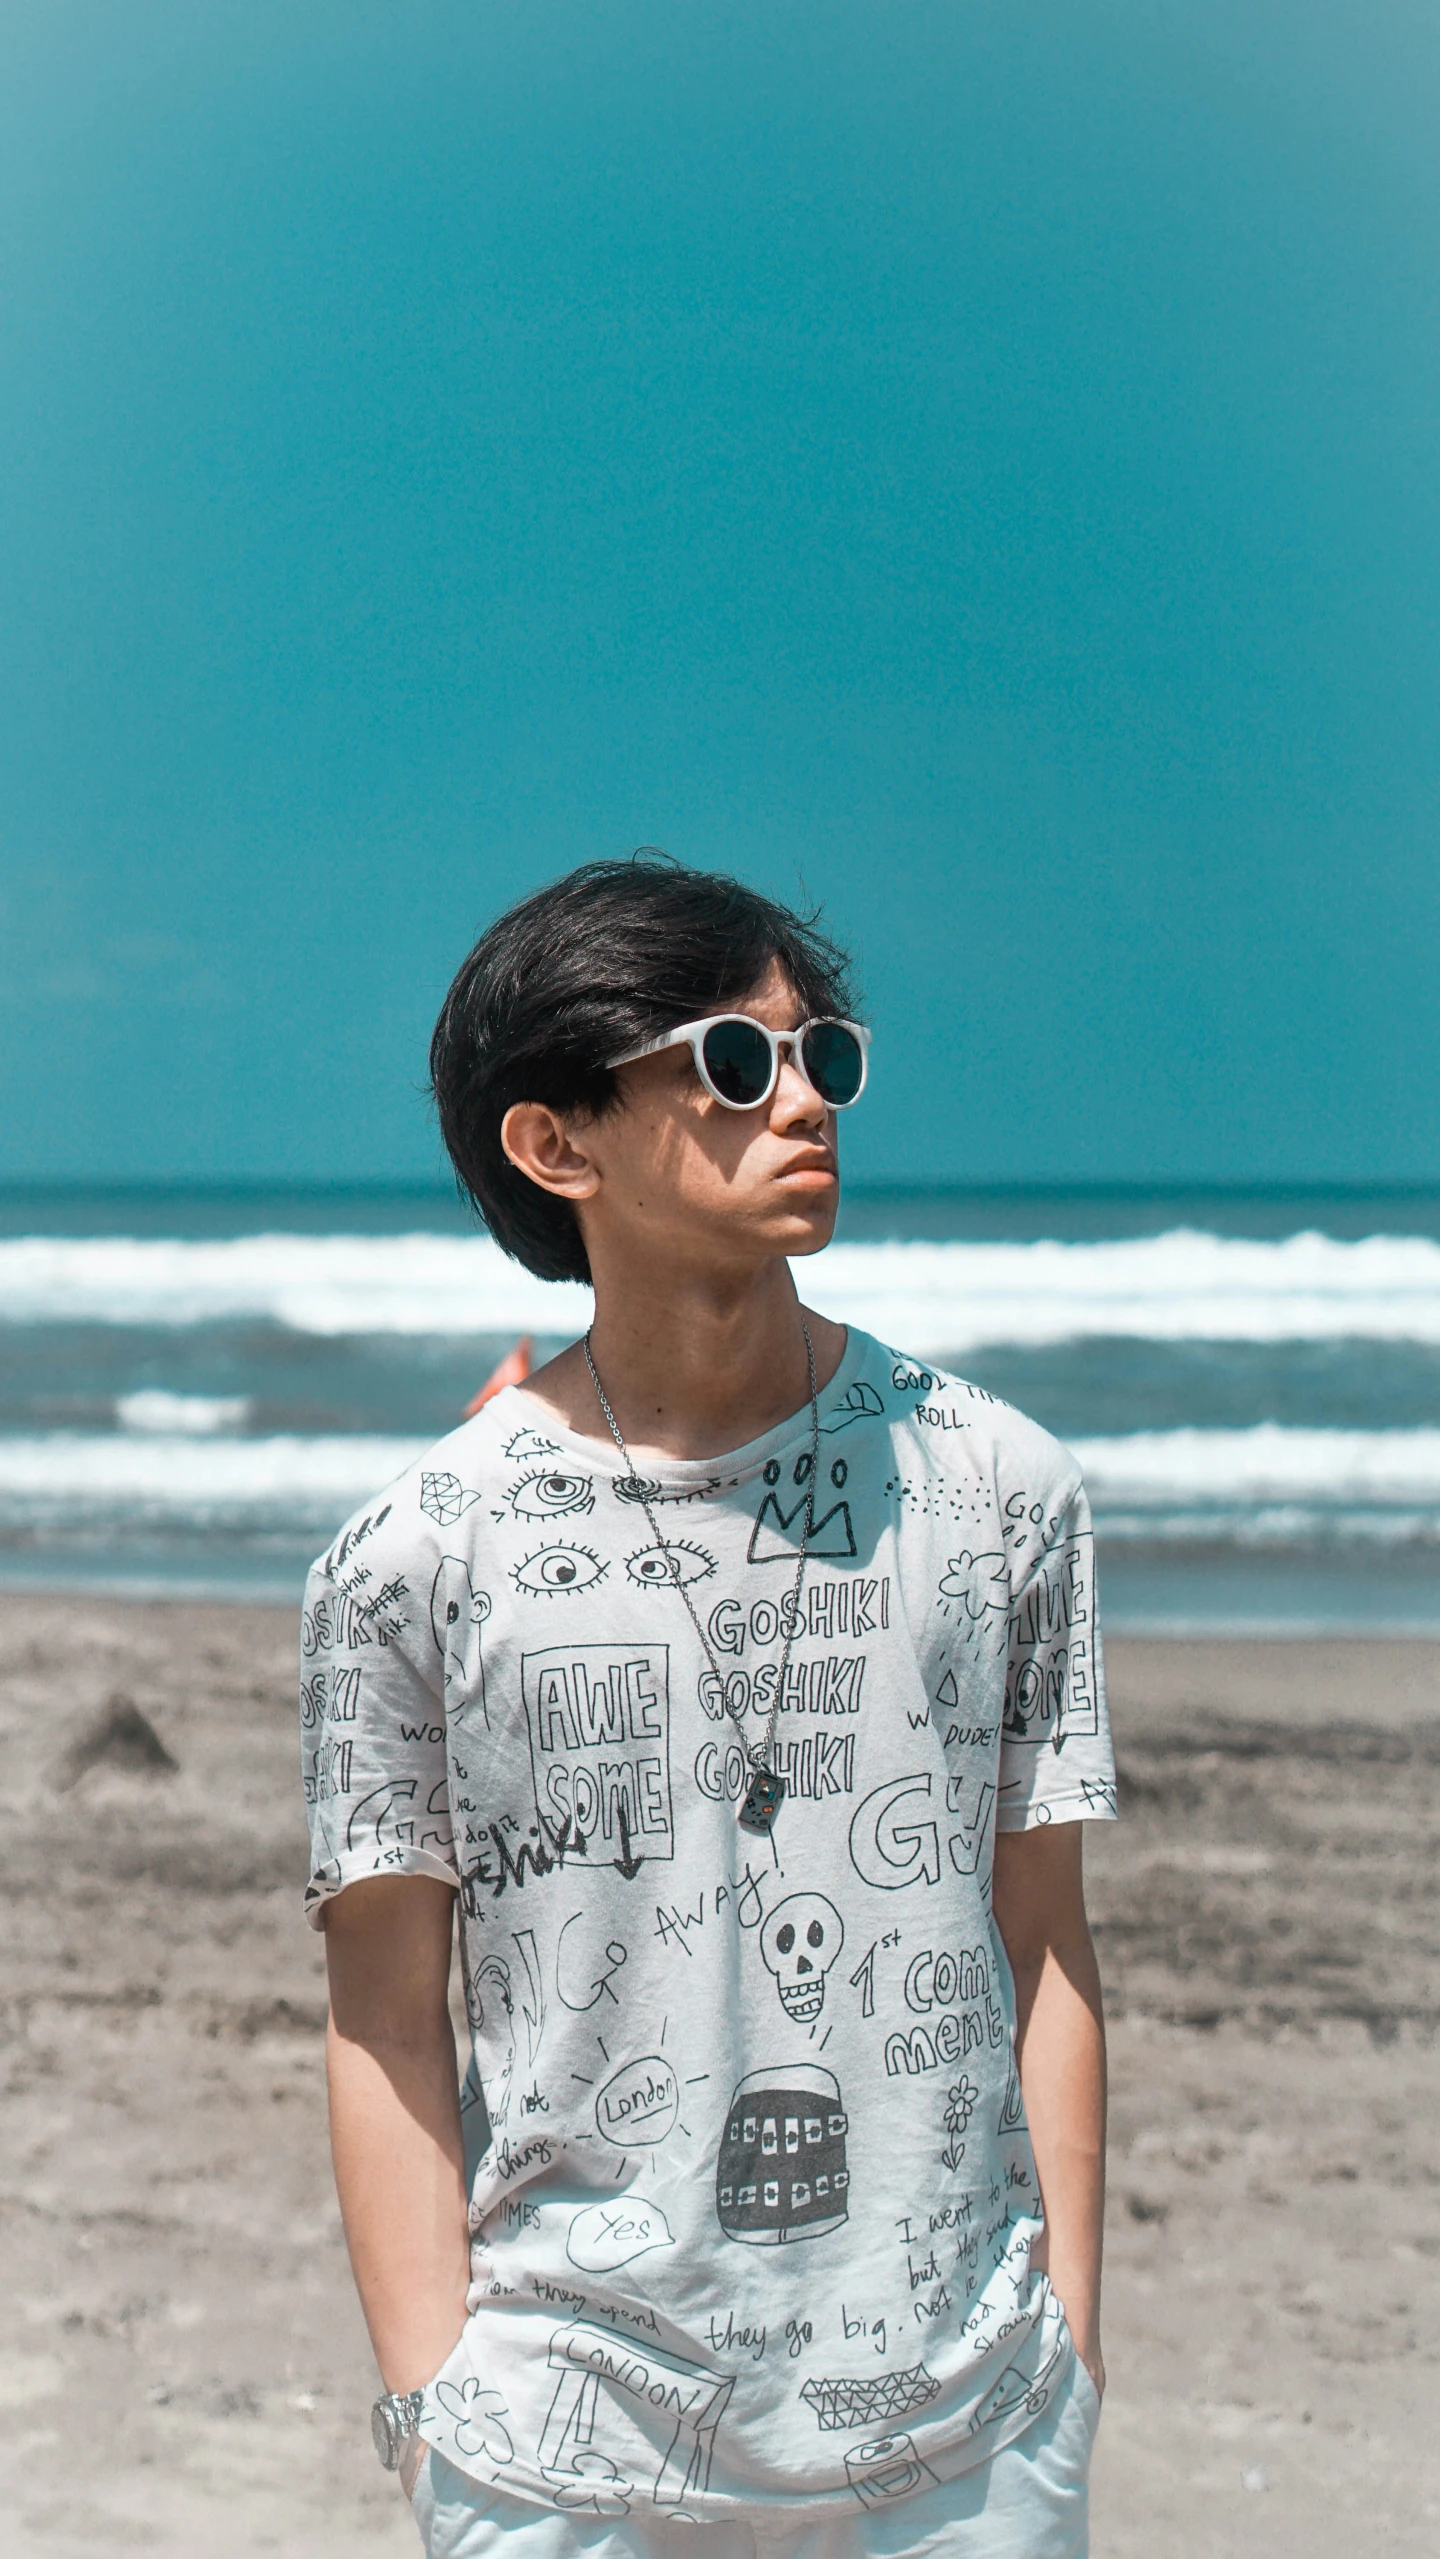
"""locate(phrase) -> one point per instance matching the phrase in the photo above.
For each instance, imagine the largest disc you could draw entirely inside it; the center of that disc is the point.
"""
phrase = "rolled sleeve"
(1056, 1760)
(372, 1728)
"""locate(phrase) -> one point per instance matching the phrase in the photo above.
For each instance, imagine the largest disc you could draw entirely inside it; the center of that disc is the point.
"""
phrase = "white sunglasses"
(738, 1060)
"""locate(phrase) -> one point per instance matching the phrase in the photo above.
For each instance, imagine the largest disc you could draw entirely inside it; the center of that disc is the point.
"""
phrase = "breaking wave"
(936, 1299)
(1265, 1484)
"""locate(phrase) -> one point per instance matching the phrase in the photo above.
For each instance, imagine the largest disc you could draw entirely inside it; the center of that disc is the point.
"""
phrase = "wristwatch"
(393, 2420)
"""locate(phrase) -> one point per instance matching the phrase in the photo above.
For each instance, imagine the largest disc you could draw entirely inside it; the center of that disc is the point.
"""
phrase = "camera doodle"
(783, 2172)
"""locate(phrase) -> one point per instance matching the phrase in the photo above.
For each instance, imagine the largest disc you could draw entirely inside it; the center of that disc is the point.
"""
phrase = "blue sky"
(977, 460)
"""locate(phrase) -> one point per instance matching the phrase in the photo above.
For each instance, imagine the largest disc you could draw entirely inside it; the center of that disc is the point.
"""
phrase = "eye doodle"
(554, 1570)
(668, 1567)
(635, 1488)
(547, 1496)
(523, 1447)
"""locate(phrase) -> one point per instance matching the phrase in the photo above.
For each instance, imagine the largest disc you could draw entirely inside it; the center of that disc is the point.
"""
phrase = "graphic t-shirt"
(752, 2197)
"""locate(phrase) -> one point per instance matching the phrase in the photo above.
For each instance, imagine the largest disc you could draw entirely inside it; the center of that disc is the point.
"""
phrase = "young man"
(737, 1680)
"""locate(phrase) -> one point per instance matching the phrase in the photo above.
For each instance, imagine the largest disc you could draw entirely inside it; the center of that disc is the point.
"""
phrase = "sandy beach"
(183, 2368)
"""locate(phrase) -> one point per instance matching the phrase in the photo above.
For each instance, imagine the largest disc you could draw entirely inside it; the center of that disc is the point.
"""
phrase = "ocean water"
(196, 1387)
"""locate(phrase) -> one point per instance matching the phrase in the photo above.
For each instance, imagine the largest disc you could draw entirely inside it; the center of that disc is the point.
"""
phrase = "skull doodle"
(799, 1942)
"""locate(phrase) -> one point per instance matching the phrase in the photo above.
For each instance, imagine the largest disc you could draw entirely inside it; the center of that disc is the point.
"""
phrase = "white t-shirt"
(752, 2210)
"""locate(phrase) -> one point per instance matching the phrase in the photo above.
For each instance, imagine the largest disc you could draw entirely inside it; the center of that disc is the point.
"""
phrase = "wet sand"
(182, 2366)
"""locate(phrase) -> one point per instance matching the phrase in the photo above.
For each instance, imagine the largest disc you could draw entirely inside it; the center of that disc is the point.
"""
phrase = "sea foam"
(938, 1300)
(1268, 1482)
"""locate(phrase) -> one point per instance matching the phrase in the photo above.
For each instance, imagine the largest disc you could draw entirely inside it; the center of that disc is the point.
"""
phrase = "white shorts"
(1030, 2500)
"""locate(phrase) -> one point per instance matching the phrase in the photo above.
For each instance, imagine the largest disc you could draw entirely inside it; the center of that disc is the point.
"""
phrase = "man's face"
(734, 1186)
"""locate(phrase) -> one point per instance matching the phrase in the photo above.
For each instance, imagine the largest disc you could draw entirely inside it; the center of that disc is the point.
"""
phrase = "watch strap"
(393, 2420)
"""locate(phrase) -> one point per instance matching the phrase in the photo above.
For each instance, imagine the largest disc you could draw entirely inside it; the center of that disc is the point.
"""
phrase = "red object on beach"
(512, 1371)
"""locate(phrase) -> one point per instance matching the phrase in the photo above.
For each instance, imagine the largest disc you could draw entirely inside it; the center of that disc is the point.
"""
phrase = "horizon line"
(302, 1187)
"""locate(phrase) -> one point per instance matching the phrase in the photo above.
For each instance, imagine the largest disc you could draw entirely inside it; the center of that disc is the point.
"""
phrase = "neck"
(696, 1367)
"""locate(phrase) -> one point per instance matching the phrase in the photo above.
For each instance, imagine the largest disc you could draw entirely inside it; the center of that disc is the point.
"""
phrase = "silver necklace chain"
(757, 1758)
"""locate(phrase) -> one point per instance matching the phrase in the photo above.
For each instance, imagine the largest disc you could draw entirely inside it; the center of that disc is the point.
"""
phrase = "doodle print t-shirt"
(752, 2197)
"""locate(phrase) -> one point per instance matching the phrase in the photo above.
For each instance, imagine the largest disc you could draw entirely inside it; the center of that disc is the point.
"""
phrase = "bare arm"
(395, 2120)
(1060, 2045)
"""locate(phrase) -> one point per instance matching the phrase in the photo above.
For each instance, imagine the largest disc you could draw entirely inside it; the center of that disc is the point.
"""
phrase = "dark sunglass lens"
(737, 1061)
(834, 1062)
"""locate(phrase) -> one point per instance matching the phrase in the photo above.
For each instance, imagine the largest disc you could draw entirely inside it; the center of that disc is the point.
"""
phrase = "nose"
(795, 1102)
(805, 1965)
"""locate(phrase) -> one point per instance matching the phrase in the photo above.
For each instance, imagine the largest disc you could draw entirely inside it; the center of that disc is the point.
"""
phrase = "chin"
(809, 1225)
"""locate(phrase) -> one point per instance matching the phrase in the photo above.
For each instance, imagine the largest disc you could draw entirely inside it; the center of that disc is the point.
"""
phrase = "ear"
(540, 1145)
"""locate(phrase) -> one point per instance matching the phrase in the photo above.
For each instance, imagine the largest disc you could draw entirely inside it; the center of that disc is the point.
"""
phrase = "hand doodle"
(859, 1403)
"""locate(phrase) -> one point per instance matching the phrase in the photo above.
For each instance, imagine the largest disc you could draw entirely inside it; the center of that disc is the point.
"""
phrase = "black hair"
(613, 954)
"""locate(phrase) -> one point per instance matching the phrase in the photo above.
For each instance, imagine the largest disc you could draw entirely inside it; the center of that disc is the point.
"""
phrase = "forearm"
(1060, 2043)
(395, 2119)
(395, 2140)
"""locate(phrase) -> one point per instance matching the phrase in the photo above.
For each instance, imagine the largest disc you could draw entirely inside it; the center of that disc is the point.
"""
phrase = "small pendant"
(763, 1802)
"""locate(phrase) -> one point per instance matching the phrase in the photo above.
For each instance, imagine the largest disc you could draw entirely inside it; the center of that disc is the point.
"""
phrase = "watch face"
(385, 2435)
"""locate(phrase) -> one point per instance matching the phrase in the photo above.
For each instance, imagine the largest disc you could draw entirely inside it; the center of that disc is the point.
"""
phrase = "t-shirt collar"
(511, 1409)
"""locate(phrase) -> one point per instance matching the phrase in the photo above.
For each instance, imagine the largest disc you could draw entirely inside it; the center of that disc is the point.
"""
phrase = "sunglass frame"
(691, 1035)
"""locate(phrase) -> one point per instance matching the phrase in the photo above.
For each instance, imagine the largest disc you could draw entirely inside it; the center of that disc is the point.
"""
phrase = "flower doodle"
(476, 2414)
